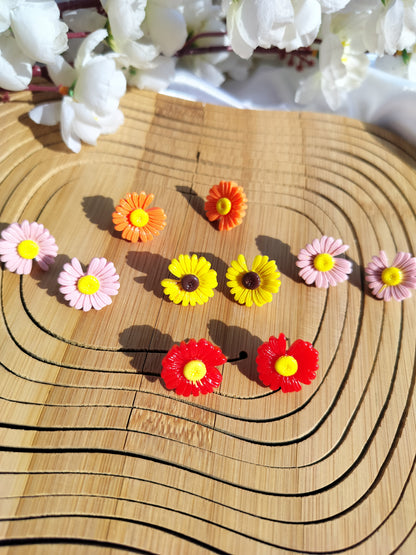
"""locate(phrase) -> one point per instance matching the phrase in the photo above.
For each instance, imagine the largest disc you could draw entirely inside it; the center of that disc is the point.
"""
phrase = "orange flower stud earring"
(136, 221)
(226, 204)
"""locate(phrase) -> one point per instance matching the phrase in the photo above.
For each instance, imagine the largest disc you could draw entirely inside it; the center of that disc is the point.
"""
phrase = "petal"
(87, 46)
(39, 31)
(15, 66)
(321, 280)
(167, 28)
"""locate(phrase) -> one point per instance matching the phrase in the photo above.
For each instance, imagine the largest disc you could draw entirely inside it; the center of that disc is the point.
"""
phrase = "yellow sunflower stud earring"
(195, 280)
(256, 285)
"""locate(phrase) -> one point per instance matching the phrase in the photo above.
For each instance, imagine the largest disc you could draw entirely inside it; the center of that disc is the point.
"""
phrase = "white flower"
(36, 27)
(127, 37)
(15, 67)
(287, 24)
(408, 35)
(341, 69)
(202, 17)
(154, 78)
(29, 31)
(91, 108)
(166, 25)
(383, 28)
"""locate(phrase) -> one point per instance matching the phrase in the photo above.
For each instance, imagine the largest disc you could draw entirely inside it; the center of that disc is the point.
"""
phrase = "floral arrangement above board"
(90, 51)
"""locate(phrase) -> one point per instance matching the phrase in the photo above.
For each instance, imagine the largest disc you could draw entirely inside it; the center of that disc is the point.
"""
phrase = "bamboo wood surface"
(96, 455)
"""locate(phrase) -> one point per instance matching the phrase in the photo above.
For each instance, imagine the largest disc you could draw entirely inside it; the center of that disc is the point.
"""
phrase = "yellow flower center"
(28, 249)
(223, 206)
(88, 285)
(139, 217)
(194, 370)
(286, 365)
(391, 276)
(323, 262)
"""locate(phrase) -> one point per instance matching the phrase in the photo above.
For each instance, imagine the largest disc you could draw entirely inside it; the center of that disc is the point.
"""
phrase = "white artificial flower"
(408, 35)
(287, 24)
(91, 108)
(126, 18)
(300, 32)
(241, 26)
(383, 28)
(37, 29)
(341, 69)
(6, 7)
(202, 17)
(30, 31)
(166, 25)
(15, 68)
(146, 34)
(154, 78)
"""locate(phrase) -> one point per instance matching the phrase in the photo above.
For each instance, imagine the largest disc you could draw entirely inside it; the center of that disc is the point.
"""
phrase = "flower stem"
(208, 34)
(60, 89)
(80, 35)
(203, 50)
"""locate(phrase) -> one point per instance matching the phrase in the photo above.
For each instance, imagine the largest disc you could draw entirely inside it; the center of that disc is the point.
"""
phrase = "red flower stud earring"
(284, 369)
(190, 368)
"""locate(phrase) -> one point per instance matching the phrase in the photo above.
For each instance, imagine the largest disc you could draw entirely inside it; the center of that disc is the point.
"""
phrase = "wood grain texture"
(96, 455)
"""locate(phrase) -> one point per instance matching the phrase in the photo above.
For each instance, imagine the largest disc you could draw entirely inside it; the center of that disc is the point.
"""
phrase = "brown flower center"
(251, 280)
(190, 283)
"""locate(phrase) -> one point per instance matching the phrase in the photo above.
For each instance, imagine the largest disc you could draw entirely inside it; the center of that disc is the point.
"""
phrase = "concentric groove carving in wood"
(96, 454)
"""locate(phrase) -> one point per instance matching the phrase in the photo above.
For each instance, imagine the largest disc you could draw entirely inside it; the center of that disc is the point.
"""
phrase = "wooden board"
(97, 456)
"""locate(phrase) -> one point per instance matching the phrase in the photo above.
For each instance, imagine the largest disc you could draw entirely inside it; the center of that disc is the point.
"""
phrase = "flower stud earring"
(319, 262)
(226, 204)
(21, 244)
(391, 282)
(190, 368)
(136, 220)
(284, 369)
(91, 289)
(256, 285)
(195, 280)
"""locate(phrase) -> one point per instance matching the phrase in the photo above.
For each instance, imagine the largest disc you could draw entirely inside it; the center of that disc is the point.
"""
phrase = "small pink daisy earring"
(319, 262)
(391, 282)
(21, 244)
(91, 289)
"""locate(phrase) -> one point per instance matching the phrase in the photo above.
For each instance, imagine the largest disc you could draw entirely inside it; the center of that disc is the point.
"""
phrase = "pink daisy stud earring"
(319, 262)
(91, 289)
(21, 244)
(283, 369)
(391, 282)
(191, 368)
